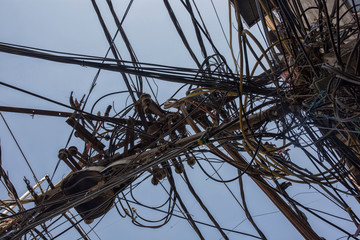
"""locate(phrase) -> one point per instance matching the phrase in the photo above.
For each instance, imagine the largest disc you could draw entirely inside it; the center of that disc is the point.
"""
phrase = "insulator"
(191, 161)
(107, 111)
(145, 99)
(63, 154)
(66, 157)
(158, 173)
(154, 181)
(163, 173)
(179, 168)
(73, 150)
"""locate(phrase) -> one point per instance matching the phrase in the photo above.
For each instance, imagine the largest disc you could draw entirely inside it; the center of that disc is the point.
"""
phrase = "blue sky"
(72, 26)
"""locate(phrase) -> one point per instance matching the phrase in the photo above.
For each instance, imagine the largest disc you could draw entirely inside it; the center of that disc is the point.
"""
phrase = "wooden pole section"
(303, 227)
(272, 113)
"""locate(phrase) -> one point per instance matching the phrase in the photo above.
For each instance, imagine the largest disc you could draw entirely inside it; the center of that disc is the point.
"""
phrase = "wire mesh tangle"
(279, 108)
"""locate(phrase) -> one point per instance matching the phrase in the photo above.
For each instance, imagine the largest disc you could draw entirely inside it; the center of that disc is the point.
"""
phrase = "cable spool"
(84, 181)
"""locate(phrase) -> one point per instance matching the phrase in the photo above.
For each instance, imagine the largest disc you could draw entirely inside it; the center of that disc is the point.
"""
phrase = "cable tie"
(202, 141)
